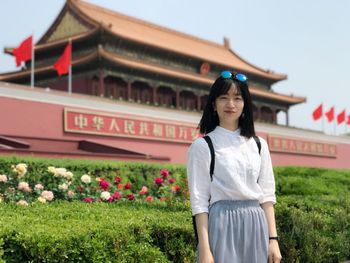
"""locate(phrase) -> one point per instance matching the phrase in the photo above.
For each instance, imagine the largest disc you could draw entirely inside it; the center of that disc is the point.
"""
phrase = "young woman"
(234, 210)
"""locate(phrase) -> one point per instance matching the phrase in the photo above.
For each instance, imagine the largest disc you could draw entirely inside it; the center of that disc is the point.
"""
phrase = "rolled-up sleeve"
(198, 174)
(266, 177)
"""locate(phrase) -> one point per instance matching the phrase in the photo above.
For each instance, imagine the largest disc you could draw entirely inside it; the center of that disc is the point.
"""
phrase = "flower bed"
(20, 186)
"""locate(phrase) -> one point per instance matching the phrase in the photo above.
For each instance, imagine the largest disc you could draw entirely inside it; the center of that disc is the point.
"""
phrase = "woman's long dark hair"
(210, 118)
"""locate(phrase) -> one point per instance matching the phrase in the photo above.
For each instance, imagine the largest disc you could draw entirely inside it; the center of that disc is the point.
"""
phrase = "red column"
(199, 103)
(177, 98)
(101, 92)
(129, 90)
(154, 95)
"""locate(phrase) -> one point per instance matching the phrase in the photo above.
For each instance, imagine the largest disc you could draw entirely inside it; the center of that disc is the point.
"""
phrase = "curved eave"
(59, 43)
(26, 73)
(291, 100)
(269, 74)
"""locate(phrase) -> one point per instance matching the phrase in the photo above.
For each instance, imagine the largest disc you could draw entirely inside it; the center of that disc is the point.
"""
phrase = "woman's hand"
(274, 252)
(205, 256)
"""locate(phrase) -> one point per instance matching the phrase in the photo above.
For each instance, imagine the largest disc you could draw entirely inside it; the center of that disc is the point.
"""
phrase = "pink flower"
(88, 200)
(70, 193)
(149, 198)
(117, 179)
(48, 195)
(144, 190)
(24, 187)
(3, 178)
(104, 185)
(116, 195)
(164, 173)
(171, 180)
(130, 197)
(127, 186)
(38, 187)
(158, 180)
(175, 189)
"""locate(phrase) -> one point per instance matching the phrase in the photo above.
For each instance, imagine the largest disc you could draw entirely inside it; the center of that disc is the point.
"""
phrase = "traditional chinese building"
(138, 92)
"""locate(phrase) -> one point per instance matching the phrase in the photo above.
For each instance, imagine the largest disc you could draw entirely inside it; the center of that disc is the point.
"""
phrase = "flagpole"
(32, 65)
(70, 70)
(322, 119)
(334, 123)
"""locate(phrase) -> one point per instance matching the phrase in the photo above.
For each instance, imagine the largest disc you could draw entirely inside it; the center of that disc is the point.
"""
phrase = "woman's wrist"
(276, 238)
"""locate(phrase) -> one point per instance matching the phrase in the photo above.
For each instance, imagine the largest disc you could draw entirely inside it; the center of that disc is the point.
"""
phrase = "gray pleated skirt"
(238, 232)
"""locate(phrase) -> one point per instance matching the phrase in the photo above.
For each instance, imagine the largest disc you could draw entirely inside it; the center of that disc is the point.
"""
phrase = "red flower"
(81, 189)
(88, 200)
(104, 185)
(120, 186)
(164, 173)
(116, 195)
(163, 199)
(171, 180)
(117, 179)
(149, 198)
(130, 197)
(158, 180)
(127, 186)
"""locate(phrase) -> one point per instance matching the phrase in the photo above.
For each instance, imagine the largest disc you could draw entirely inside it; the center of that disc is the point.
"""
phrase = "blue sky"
(307, 40)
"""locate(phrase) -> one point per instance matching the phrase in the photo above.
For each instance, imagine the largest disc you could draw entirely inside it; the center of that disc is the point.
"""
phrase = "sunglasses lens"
(226, 74)
(241, 77)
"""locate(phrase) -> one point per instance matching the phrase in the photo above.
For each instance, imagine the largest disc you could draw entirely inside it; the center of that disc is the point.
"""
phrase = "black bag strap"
(212, 154)
(258, 143)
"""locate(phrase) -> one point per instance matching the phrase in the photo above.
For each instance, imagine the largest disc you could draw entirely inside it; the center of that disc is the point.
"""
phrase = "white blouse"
(240, 173)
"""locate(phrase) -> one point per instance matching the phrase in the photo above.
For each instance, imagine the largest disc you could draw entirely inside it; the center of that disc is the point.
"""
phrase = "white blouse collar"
(224, 131)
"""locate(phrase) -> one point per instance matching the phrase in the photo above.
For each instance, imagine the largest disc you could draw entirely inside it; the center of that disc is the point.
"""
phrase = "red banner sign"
(297, 146)
(88, 122)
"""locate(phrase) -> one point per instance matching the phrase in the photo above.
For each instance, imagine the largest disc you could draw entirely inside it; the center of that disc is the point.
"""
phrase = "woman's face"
(229, 108)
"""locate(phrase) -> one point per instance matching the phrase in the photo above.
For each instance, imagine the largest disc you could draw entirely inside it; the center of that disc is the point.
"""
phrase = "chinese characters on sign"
(290, 145)
(88, 122)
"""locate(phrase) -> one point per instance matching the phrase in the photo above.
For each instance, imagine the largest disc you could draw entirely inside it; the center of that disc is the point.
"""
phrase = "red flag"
(330, 114)
(317, 112)
(63, 63)
(348, 121)
(24, 51)
(341, 117)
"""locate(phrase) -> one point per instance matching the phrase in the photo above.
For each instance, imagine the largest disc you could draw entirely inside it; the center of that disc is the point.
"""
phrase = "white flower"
(38, 187)
(60, 172)
(22, 202)
(86, 179)
(105, 195)
(69, 175)
(63, 186)
(20, 169)
(41, 199)
(3, 178)
(51, 169)
(47, 195)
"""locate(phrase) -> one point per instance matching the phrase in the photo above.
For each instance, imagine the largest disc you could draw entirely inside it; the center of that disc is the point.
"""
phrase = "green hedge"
(97, 232)
(312, 212)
